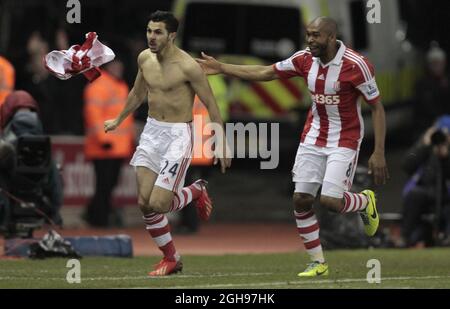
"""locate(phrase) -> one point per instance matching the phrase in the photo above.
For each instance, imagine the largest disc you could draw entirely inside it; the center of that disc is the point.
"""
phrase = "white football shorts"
(166, 149)
(331, 167)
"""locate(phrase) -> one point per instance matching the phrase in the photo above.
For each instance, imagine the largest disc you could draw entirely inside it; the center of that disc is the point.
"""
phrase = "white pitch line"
(300, 282)
(304, 282)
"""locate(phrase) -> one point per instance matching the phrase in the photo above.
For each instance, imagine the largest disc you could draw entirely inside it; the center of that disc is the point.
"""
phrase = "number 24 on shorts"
(172, 170)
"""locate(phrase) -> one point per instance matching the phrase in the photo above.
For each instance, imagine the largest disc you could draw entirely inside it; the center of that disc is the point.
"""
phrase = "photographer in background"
(19, 117)
(427, 191)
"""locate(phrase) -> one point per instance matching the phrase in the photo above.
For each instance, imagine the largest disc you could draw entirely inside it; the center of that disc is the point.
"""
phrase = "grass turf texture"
(428, 268)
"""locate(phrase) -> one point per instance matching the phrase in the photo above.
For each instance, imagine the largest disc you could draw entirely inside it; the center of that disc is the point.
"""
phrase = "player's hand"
(224, 163)
(378, 168)
(110, 125)
(209, 64)
(222, 155)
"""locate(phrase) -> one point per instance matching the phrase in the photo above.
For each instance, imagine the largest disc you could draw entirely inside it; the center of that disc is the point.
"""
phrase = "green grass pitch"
(429, 268)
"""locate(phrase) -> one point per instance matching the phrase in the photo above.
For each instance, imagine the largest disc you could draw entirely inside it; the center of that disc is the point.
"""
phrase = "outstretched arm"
(248, 72)
(135, 98)
(201, 87)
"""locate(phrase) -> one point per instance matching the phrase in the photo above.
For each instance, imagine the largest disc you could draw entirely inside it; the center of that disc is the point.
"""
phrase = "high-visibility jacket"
(200, 155)
(7, 79)
(104, 99)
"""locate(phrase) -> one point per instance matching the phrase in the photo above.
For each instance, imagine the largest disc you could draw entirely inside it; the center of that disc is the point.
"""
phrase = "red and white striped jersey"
(334, 119)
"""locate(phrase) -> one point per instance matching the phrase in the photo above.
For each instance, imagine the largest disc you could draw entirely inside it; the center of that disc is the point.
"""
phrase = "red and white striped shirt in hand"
(334, 119)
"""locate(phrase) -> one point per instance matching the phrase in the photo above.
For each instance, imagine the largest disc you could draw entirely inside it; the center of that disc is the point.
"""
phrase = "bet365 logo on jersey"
(326, 99)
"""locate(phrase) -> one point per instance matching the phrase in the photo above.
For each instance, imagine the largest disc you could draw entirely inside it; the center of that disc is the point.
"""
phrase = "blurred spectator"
(432, 90)
(60, 101)
(104, 99)
(427, 191)
(7, 78)
(134, 45)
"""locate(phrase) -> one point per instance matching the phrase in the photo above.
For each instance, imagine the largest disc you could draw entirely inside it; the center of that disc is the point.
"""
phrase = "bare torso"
(170, 94)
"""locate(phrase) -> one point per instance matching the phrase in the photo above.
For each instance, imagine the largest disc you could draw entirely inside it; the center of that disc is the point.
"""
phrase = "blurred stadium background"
(255, 202)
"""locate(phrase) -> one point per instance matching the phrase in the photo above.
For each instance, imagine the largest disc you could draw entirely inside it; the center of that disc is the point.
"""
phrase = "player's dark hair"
(167, 18)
